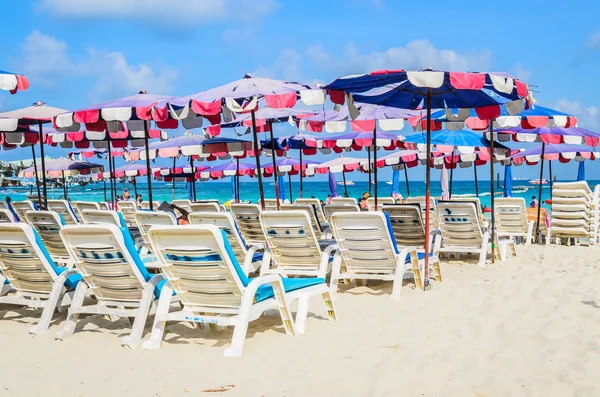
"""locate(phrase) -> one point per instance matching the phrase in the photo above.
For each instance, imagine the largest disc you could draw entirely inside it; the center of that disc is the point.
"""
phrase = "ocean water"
(163, 191)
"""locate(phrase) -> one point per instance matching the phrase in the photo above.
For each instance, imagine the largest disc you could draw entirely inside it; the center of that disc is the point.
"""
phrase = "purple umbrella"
(242, 96)
(135, 110)
(434, 89)
(291, 166)
(553, 135)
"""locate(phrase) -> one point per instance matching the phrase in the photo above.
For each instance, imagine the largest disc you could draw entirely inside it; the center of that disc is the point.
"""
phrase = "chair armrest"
(156, 278)
(249, 255)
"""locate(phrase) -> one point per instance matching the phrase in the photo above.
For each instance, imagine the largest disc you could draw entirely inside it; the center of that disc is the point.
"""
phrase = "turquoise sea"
(249, 190)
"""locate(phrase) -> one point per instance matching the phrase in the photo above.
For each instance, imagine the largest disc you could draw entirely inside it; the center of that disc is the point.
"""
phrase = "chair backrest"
(270, 204)
(3, 205)
(572, 210)
(312, 216)
(104, 206)
(225, 222)
(407, 223)
(185, 205)
(365, 242)
(316, 204)
(24, 260)
(64, 209)
(21, 207)
(459, 224)
(195, 260)
(6, 216)
(433, 219)
(532, 216)
(333, 208)
(511, 216)
(477, 202)
(247, 218)
(146, 219)
(96, 217)
(206, 207)
(146, 205)
(343, 200)
(381, 201)
(128, 209)
(48, 225)
(292, 241)
(105, 256)
(80, 206)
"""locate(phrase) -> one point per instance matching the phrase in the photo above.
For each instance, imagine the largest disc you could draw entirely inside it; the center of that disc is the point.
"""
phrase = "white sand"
(526, 327)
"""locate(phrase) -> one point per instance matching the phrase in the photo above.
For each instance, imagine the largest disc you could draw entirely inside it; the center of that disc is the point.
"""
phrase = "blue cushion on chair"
(72, 280)
(389, 226)
(420, 255)
(72, 212)
(258, 256)
(266, 291)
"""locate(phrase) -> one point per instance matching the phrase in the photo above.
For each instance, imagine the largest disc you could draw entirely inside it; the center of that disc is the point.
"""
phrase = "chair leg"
(158, 327)
(239, 337)
(141, 316)
(48, 310)
(398, 279)
(73, 315)
(329, 306)
(334, 278)
(302, 313)
(438, 271)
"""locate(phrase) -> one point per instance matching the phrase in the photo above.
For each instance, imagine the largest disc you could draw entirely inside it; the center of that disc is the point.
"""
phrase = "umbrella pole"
(537, 229)
(301, 173)
(369, 167)
(476, 183)
(237, 176)
(173, 182)
(551, 182)
(375, 162)
(425, 272)
(110, 176)
(193, 178)
(274, 159)
(406, 177)
(64, 186)
(104, 180)
(290, 183)
(148, 164)
(37, 180)
(451, 173)
(492, 190)
(135, 187)
(256, 155)
(42, 155)
(345, 188)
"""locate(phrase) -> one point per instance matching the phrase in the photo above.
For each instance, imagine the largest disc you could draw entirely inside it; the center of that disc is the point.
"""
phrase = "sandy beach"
(525, 327)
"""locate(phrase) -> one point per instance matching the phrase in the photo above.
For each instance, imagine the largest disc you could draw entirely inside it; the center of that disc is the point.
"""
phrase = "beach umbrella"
(290, 166)
(429, 89)
(38, 114)
(343, 165)
(507, 181)
(333, 186)
(561, 152)
(400, 160)
(13, 82)
(62, 168)
(132, 170)
(581, 172)
(232, 168)
(282, 191)
(136, 111)
(242, 96)
(396, 184)
(444, 184)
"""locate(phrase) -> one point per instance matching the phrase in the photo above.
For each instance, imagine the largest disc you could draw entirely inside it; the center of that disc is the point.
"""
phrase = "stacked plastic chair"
(572, 215)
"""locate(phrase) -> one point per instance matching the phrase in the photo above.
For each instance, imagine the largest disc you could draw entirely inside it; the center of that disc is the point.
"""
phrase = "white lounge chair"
(572, 214)
(318, 209)
(146, 219)
(251, 257)
(310, 211)
(368, 251)
(408, 224)
(64, 209)
(21, 207)
(146, 205)
(98, 217)
(104, 206)
(462, 233)
(511, 219)
(206, 207)
(596, 212)
(6, 216)
(270, 204)
(330, 209)
(433, 217)
(34, 279)
(475, 200)
(247, 218)
(80, 206)
(114, 272)
(128, 208)
(381, 201)
(185, 205)
(47, 224)
(212, 287)
(343, 201)
(293, 246)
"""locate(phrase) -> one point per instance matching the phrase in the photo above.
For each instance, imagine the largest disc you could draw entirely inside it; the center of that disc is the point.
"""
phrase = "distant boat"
(348, 183)
(390, 182)
(537, 182)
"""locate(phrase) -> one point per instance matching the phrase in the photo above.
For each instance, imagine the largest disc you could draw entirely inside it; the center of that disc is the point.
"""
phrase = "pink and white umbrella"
(13, 82)
(232, 168)
(63, 167)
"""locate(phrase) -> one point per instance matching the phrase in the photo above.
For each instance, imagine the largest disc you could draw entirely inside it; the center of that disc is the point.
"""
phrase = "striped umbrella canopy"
(56, 168)
(13, 82)
(553, 135)
(359, 140)
(228, 169)
(130, 170)
(290, 166)
(561, 152)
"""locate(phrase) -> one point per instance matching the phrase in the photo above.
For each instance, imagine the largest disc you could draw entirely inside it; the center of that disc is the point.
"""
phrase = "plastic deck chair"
(80, 206)
(48, 224)
(343, 201)
(114, 272)
(511, 219)
(317, 206)
(21, 207)
(96, 217)
(146, 219)
(251, 257)
(369, 251)
(572, 212)
(381, 201)
(293, 246)
(312, 215)
(128, 209)
(433, 216)
(34, 279)
(6, 216)
(146, 205)
(64, 209)
(330, 209)
(206, 207)
(247, 219)
(200, 266)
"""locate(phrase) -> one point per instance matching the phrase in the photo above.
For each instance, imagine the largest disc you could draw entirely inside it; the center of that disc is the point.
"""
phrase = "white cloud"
(417, 54)
(47, 61)
(286, 66)
(593, 41)
(164, 12)
(587, 116)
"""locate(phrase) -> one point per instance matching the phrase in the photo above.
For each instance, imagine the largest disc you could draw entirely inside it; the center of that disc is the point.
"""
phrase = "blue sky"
(78, 52)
